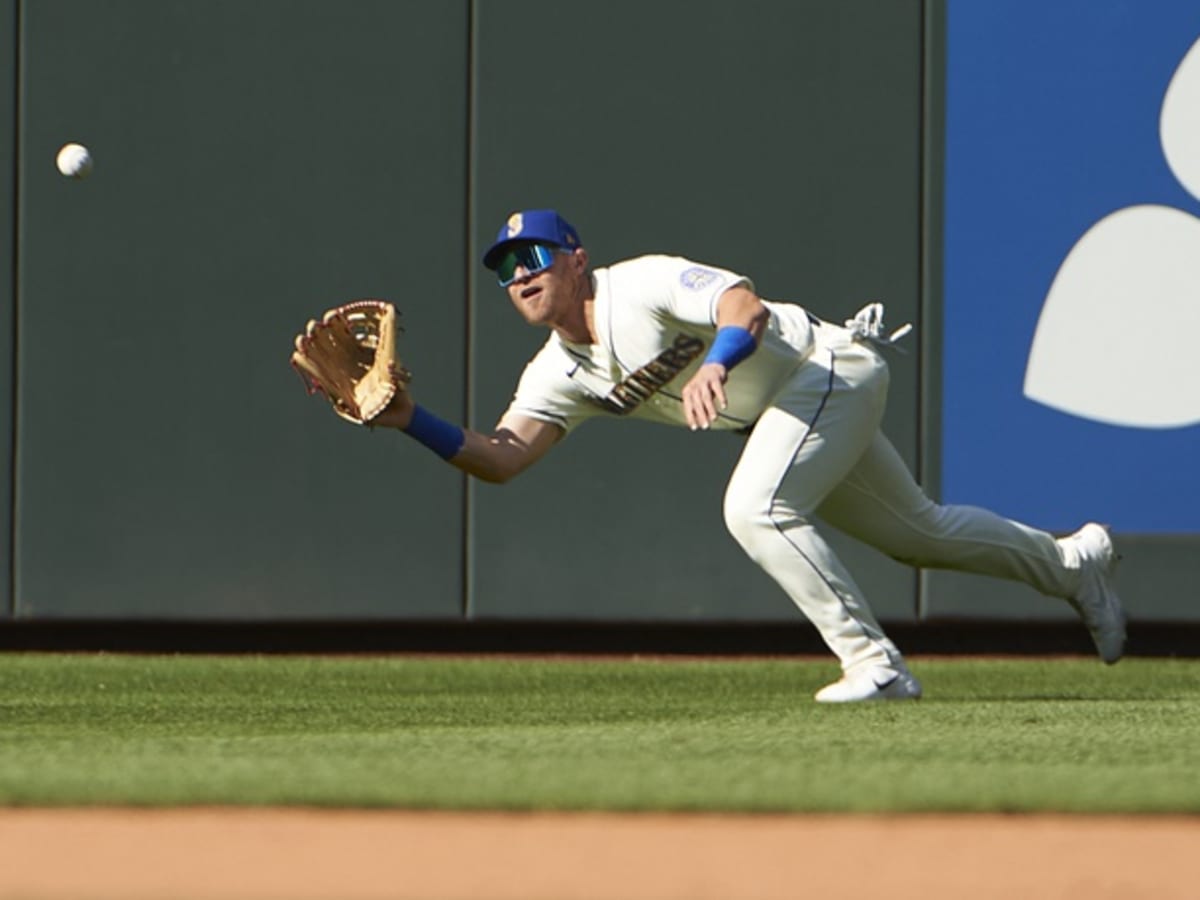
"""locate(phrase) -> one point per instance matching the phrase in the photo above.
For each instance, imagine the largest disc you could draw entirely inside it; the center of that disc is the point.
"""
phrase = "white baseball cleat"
(879, 683)
(1097, 602)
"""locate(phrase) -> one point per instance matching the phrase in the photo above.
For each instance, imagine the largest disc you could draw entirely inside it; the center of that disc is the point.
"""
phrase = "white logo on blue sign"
(1126, 292)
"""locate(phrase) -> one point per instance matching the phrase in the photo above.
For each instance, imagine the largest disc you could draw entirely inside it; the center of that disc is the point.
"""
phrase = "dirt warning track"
(273, 854)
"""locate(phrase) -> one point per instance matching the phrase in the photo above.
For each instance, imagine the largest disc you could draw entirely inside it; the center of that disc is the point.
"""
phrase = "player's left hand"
(704, 395)
(349, 355)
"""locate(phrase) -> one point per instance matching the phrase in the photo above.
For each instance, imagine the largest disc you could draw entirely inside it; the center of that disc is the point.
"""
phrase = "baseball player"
(679, 342)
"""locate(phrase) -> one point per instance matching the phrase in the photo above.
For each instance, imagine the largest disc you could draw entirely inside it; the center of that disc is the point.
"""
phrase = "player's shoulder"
(662, 263)
(671, 272)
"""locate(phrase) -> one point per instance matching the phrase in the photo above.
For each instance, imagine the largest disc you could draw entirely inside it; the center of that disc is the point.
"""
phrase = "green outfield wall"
(254, 162)
(258, 162)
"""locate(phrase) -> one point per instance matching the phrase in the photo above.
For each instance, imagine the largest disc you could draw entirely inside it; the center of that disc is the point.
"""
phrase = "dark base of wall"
(585, 638)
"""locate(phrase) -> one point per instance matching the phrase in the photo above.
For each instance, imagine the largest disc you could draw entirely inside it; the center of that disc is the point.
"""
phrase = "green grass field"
(991, 735)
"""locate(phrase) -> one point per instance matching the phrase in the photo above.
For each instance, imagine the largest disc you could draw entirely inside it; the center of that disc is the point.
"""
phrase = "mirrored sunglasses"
(533, 258)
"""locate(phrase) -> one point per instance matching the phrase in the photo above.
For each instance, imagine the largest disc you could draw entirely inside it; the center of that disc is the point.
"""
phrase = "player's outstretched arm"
(516, 444)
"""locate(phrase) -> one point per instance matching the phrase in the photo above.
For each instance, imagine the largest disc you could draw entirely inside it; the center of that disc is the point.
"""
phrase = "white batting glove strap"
(867, 325)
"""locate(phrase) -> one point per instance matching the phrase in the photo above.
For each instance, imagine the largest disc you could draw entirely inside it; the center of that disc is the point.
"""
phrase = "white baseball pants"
(817, 451)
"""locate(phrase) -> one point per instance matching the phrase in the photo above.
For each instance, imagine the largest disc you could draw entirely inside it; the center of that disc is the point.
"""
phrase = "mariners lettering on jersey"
(643, 383)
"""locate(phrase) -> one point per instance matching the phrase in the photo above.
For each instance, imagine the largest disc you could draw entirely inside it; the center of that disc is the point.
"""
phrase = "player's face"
(550, 295)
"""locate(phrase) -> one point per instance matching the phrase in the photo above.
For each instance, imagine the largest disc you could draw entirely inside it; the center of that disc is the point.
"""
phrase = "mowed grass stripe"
(991, 735)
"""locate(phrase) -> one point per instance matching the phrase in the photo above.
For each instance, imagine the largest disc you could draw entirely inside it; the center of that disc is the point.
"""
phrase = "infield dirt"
(273, 854)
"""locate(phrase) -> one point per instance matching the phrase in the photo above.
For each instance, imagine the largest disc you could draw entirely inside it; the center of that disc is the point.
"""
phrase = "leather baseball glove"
(350, 357)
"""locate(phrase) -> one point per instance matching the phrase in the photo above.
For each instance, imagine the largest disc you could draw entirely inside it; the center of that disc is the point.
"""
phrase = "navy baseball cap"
(545, 226)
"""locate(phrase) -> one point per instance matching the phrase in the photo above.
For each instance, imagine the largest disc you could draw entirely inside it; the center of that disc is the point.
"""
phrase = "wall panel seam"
(17, 57)
(471, 285)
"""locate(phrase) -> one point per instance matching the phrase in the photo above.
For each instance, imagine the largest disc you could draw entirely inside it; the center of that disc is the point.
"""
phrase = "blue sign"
(1071, 374)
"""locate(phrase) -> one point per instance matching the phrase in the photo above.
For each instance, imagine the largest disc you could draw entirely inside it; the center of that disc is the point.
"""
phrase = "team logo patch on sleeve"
(697, 278)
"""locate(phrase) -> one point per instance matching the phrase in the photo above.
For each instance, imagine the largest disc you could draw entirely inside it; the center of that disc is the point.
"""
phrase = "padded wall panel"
(255, 163)
(780, 139)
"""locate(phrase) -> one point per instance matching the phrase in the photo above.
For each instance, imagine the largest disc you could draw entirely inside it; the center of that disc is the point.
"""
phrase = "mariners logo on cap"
(516, 224)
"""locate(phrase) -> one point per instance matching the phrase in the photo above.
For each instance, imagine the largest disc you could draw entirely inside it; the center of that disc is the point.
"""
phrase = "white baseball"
(74, 161)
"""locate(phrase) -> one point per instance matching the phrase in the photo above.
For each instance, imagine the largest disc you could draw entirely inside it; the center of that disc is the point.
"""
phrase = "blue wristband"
(731, 345)
(437, 434)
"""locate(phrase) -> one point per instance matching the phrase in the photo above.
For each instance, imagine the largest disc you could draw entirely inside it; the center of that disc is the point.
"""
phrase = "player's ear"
(579, 259)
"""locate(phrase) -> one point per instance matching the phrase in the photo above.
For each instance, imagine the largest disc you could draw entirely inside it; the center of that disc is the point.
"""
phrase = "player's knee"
(735, 515)
(746, 520)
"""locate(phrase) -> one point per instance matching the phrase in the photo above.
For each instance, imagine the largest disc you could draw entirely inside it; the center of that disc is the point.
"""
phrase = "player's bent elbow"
(496, 471)
(493, 477)
(509, 451)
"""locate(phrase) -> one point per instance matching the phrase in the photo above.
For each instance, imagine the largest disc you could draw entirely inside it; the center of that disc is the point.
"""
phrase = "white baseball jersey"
(655, 318)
